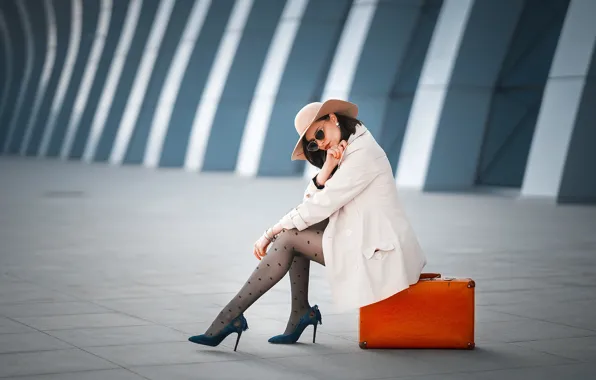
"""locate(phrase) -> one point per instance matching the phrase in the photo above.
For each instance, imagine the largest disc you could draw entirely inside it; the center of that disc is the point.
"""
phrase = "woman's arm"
(347, 182)
(321, 178)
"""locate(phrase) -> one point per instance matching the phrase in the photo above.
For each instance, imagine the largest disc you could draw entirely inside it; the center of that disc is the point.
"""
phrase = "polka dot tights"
(292, 251)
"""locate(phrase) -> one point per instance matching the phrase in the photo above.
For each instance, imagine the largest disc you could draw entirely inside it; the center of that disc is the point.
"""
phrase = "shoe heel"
(237, 325)
(311, 317)
(238, 340)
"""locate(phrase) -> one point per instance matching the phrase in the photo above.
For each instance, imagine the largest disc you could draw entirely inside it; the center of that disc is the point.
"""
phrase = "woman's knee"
(285, 240)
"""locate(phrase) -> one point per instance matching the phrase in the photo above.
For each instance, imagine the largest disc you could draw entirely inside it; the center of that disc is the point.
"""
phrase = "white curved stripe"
(48, 66)
(255, 130)
(7, 43)
(71, 56)
(139, 88)
(169, 92)
(345, 61)
(88, 77)
(560, 121)
(29, 59)
(431, 93)
(203, 120)
(109, 89)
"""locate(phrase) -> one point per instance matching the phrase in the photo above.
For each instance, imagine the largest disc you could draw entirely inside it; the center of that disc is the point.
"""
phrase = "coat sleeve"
(347, 182)
(311, 189)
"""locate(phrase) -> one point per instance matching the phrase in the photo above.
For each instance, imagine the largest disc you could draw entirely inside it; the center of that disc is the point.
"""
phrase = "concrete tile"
(555, 296)
(170, 353)
(549, 372)
(482, 314)
(444, 376)
(160, 279)
(279, 312)
(169, 302)
(579, 314)
(144, 248)
(30, 342)
(506, 284)
(171, 310)
(169, 317)
(361, 365)
(527, 329)
(339, 323)
(243, 369)
(27, 293)
(117, 336)
(111, 374)
(48, 362)
(582, 348)
(206, 288)
(104, 292)
(486, 357)
(62, 322)
(50, 308)
(8, 326)
(352, 336)
(258, 345)
(193, 328)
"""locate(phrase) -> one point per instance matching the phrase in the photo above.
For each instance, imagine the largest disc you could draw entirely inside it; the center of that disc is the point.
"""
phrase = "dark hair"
(347, 126)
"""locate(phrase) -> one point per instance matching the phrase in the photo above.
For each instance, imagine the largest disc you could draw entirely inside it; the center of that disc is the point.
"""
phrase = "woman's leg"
(290, 244)
(299, 278)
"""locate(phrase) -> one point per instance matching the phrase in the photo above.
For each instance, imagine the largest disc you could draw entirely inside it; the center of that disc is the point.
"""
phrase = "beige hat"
(314, 111)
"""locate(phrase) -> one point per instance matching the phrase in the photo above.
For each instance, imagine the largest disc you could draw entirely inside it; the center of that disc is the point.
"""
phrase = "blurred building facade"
(459, 93)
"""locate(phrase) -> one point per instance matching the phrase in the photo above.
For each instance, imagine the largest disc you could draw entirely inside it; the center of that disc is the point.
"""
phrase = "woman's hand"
(260, 248)
(335, 153)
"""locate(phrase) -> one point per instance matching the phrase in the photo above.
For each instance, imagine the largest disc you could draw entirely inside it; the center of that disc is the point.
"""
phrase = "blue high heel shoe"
(312, 317)
(237, 325)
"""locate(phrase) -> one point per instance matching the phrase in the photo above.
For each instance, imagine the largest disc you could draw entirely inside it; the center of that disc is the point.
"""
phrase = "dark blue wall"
(133, 59)
(229, 121)
(38, 25)
(302, 82)
(62, 9)
(119, 13)
(391, 61)
(518, 94)
(193, 83)
(17, 35)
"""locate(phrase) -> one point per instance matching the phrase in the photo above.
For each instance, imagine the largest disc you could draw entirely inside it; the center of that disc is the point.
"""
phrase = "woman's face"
(324, 133)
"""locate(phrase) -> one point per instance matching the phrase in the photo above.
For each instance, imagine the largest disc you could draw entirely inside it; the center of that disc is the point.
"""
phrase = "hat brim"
(336, 106)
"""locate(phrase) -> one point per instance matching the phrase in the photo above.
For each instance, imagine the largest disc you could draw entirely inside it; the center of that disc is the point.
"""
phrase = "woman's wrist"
(272, 232)
(276, 229)
(323, 176)
(269, 235)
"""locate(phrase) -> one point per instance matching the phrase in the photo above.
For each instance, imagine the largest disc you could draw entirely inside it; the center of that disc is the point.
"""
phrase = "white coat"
(370, 249)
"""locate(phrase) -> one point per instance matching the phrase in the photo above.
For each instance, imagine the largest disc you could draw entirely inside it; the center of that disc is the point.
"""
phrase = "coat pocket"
(380, 251)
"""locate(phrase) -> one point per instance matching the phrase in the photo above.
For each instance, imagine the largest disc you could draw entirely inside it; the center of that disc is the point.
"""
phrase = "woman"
(350, 220)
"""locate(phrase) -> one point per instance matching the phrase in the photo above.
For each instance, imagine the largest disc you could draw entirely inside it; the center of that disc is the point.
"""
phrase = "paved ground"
(105, 272)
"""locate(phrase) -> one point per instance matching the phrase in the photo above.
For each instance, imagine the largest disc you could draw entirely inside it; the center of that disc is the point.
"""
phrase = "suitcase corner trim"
(363, 345)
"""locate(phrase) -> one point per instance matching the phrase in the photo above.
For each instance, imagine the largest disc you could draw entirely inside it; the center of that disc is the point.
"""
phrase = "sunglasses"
(312, 145)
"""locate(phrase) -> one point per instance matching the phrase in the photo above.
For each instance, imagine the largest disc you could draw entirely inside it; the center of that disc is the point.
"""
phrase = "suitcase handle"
(429, 276)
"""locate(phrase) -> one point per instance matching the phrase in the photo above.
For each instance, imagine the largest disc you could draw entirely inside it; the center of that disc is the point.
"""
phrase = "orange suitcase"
(435, 312)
